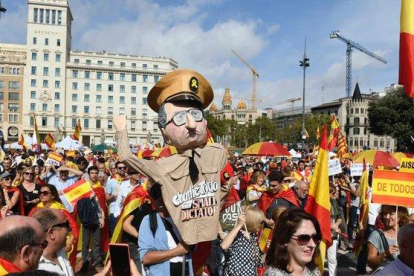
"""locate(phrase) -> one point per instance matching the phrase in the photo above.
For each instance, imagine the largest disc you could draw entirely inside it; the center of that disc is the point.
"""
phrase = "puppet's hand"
(120, 122)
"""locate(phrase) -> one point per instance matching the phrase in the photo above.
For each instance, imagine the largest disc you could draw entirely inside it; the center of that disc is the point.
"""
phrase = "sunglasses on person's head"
(62, 225)
(180, 118)
(304, 239)
(45, 193)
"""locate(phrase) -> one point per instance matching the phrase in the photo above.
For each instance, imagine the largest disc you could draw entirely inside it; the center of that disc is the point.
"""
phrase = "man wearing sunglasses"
(22, 242)
(56, 226)
(190, 180)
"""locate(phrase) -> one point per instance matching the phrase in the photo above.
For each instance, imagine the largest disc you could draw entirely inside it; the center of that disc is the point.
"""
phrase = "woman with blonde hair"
(255, 189)
(240, 246)
(29, 190)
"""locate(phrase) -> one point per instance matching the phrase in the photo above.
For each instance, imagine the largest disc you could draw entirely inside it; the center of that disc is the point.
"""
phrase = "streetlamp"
(304, 63)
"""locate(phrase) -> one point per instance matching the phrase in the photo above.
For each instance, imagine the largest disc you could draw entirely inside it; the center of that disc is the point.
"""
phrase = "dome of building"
(241, 105)
(213, 107)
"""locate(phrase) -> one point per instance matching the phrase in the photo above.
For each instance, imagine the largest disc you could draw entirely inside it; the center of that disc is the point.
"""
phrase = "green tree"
(393, 115)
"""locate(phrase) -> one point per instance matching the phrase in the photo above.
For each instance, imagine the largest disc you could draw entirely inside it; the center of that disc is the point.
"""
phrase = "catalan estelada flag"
(78, 190)
(333, 136)
(342, 146)
(406, 75)
(319, 204)
(78, 130)
(50, 141)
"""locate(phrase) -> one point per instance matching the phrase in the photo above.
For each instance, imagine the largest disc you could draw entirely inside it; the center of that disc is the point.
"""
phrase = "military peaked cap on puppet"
(179, 85)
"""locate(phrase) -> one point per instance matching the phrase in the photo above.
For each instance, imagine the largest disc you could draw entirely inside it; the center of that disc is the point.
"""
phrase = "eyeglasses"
(45, 193)
(305, 238)
(62, 225)
(121, 168)
(42, 245)
(7, 179)
(180, 118)
(28, 173)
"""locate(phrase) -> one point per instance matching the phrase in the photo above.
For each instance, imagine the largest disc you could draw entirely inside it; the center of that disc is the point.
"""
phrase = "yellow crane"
(255, 76)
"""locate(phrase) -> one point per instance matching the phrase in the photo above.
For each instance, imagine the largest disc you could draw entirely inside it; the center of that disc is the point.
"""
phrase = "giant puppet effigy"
(190, 180)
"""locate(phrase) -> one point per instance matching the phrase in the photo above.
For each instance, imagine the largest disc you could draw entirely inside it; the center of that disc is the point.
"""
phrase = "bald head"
(11, 223)
(301, 184)
(301, 189)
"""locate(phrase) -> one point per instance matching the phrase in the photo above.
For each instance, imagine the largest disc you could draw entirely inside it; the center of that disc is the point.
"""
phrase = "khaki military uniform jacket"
(194, 208)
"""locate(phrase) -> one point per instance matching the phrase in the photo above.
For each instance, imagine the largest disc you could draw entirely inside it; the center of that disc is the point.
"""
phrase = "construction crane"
(292, 101)
(255, 76)
(349, 47)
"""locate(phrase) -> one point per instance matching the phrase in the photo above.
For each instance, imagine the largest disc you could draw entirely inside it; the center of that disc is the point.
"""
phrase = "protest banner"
(393, 188)
(334, 167)
(407, 165)
(357, 168)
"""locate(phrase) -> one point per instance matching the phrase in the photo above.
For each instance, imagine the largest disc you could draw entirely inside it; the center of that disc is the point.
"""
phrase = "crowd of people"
(264, 229)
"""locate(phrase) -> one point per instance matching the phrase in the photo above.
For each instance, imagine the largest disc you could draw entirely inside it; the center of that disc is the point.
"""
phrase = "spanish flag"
(319, 204)
(406, 76)
(50, 141)
(78, 190)
(22, 142)
(78, 130)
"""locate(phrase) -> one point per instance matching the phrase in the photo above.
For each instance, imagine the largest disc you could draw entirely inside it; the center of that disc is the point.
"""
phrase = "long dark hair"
(288, 223)
(54, 192)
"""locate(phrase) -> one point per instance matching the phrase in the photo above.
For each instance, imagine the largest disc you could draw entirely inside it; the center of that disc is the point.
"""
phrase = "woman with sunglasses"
(11, 196)
(29, 189)
(49, 198)
(294, 246)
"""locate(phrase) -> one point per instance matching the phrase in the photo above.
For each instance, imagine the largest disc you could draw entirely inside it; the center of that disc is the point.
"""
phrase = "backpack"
(88, 212)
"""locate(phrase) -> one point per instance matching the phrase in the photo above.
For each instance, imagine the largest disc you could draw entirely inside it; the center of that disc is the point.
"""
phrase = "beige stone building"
(12, 64)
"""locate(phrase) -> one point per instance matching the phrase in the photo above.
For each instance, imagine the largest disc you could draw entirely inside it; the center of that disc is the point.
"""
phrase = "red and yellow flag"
(319, 204)
(78, 130)
(209, 137)
(406, 76)
(333, 136)
(37, 146)
(78, 190)
(50, 141)
(363, 218)
(342, 146)
(22, 142)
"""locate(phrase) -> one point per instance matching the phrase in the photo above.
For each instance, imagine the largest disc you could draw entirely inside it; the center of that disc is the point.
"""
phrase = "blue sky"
(269, 34)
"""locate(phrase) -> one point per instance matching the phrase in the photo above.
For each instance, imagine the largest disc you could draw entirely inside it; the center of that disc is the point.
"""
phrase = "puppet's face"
(191, 134)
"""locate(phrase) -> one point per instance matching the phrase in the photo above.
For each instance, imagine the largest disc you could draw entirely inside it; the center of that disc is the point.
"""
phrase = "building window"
(32, 107)
(156, 78)
(13, 107)
(74, 121)
(57, 58)
(110, 76)
(32, 94)
(98, 110)
(144, 78)
(144, 66)
(356, 110)
(110, 110)
(56, 108)
(76, 60)
(33, 83)
(87, 86)
(98, 98)
(44, 107)
(35, 15)
(133, 125)
(134, 65)
(34, 70)
(121, 110)
(86, 109)
(122, 100)
(155, 66)
(34, 40)
(45, 57)
(144, 101)
(109, 124)
(98, 123)
(144, 112)
(56, 122)
(47, 16)
(86, 98)
(100, 62)
(42, 11)
(58, 42)
(45, 71)
(133, 100)
(122, 88)
(356, 121)
(144, 90)
(98, 87)
(99, 75)
(111, 63)
(57, 95)
(74, 109)
(144, 125)
(54, 18)
(74, 73)
(13, 96)
(356, 130)
(45, 83)
(13, 118)
(1, 84)
(110, 99)
(110, 87)
(74, 97)
(133, 89)
(34, 56)
(122, 64)
(1, 96)
(133, 111)
(122, 77)
(74, 85)
(46, 41)
(134, 77)
(59, 17)
(88, 62)
(57, 84)
(57, 72)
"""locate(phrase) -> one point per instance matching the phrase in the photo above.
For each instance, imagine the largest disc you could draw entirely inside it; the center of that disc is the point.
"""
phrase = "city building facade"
(62, 86)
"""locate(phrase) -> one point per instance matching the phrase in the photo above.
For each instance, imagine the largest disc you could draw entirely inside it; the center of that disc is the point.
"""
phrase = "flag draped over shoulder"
(318, 203)
(78, 130)
(333, 136)
(406, 75)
